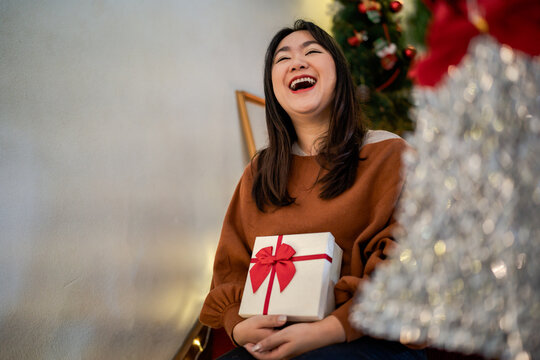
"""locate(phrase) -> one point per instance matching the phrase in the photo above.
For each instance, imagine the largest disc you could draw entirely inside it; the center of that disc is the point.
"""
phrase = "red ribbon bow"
(281, 262)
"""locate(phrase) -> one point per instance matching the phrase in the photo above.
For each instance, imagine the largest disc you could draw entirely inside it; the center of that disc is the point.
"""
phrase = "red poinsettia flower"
(514, 23)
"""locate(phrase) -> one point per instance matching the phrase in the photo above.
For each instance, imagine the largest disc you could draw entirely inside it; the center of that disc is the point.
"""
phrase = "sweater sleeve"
(373, 245)
(231, 263)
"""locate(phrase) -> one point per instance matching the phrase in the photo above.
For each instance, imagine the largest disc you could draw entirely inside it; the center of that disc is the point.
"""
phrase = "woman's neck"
(308, 131)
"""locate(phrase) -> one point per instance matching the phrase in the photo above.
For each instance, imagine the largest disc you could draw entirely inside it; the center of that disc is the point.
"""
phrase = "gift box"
(292, 275)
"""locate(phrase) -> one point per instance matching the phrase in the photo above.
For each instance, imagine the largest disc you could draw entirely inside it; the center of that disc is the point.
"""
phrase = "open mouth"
(302, 83)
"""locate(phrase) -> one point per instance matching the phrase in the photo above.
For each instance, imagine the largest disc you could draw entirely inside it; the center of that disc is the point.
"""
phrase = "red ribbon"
(280, 264)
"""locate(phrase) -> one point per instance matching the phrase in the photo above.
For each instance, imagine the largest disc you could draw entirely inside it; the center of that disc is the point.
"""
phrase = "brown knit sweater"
(361, 219)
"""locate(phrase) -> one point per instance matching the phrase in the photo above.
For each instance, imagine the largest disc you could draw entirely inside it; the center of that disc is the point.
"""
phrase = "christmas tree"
(373, 43)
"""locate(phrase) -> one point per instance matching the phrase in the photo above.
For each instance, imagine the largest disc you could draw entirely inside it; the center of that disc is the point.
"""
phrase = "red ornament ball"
(396, 5)
(353, 41)
(362, 8)
(410, 52)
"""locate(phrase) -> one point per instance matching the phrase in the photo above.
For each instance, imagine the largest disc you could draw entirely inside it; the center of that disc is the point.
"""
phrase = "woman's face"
(303, 76)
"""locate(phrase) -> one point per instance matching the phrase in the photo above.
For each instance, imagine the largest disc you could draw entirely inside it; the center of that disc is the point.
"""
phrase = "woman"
(321, 172)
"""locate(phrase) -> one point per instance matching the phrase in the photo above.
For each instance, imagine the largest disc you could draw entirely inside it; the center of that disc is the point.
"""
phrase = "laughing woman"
(321, 172)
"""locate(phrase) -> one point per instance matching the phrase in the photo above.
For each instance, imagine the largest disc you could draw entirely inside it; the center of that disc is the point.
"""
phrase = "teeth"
(297, 81)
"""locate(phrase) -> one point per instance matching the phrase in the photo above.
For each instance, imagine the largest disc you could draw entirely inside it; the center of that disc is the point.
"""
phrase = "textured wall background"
(120, 147)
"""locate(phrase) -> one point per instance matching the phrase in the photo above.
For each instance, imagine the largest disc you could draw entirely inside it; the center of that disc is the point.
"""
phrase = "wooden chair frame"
(241, 98)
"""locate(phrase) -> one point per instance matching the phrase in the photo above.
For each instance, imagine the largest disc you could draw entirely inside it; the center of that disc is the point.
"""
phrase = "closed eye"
(313, 52)
(281, 58)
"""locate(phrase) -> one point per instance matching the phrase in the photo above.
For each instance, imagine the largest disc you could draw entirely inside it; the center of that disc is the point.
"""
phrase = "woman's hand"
(257, 328)
(297, 339)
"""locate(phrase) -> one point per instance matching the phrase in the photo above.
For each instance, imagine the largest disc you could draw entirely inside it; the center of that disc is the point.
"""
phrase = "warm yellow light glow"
(439, 248)
(197, 343)
(316, 11)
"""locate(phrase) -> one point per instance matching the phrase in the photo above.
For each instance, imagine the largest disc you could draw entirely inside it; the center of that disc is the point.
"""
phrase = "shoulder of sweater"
(382, 144)
(378, 136)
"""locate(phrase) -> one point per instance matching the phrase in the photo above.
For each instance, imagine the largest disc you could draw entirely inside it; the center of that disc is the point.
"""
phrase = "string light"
(197, 343)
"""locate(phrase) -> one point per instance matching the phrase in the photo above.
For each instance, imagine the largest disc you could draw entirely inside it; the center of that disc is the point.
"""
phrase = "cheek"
(275, 81)
(333, 79)
(333, 85)
(279, 89)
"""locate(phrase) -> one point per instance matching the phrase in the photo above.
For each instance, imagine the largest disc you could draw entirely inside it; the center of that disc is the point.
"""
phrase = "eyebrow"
(304, 45)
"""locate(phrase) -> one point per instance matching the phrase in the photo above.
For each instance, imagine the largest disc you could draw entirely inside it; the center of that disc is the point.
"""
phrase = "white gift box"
(313, 270)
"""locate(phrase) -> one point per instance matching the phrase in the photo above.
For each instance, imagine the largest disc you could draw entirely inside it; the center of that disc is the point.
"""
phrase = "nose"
(298, 63)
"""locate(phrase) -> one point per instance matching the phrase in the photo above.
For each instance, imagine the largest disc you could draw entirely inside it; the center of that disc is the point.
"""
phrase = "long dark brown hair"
(339, 147)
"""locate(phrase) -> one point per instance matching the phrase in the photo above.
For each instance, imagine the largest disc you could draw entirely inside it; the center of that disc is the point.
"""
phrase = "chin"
(311, 110)
(306, 108)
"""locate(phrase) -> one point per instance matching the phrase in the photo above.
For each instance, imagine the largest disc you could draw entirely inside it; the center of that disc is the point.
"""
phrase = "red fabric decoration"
(514, 23)
(388, 61)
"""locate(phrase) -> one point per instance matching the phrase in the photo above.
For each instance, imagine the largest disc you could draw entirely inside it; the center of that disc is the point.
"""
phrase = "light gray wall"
(120, 147)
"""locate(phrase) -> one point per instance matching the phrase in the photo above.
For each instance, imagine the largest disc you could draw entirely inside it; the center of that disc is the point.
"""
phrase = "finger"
(271, 342)
(273, 354)
(257, 355)
(271, 320)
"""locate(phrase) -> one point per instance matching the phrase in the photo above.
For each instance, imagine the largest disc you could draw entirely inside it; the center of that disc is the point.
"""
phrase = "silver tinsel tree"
(466, 273)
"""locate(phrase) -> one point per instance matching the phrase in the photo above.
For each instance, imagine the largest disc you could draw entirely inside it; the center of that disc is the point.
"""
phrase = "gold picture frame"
(242, 97)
